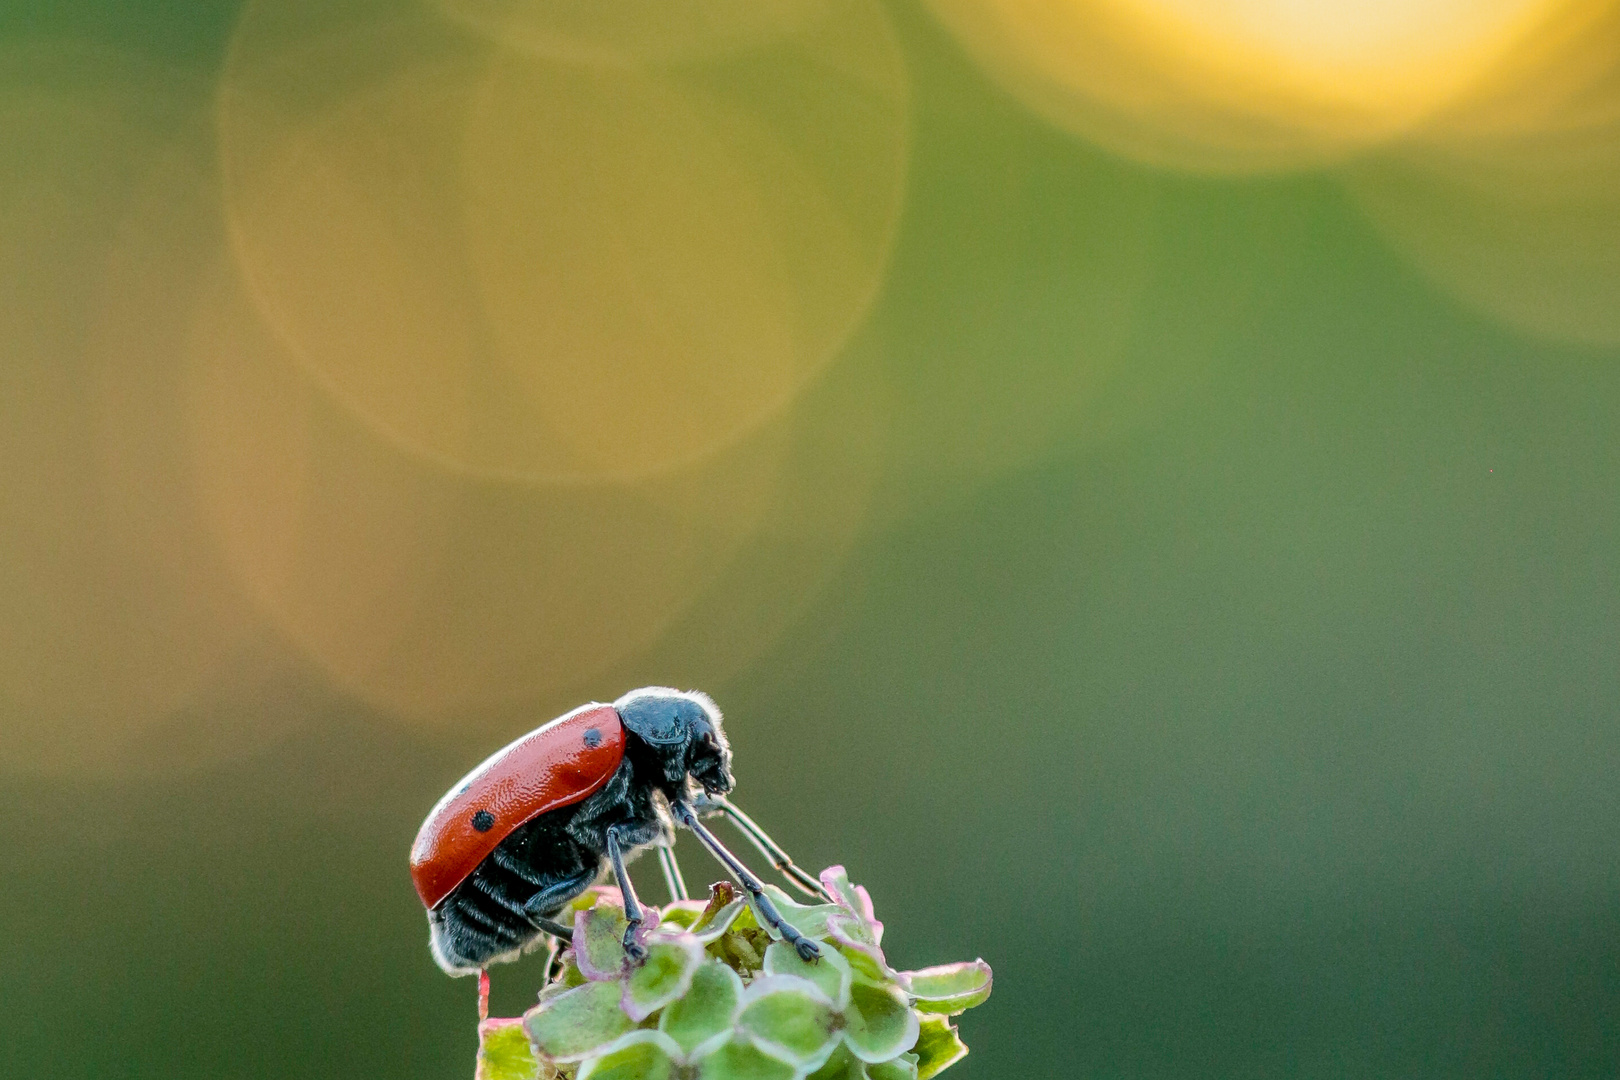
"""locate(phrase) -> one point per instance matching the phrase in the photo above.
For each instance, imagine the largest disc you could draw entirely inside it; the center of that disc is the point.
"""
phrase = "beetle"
(540, 820)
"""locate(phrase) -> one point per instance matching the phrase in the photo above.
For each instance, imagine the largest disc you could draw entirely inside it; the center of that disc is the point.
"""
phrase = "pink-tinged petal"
(863, 904)
(599, 942)
(852, 940)
(850, 927)
(950, 988)
(835, 879)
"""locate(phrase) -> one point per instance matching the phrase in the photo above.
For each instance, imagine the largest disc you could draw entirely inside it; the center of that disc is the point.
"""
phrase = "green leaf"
(640, 1055)
(740, 1059)
(577, 1023)
(831, 972)
(662, 977)
(949, 988)
(708, 1008)
(846, 1066)
(937, 1047)
(866, 961)
(792, 1018)
(722, 894)
(842, 1065)
(504, 1052)
(746, 919)
(599, 942)
(903, 1067)
(846, 927)
(598, 894)
(681, 913)
(879, 1023)
(719, 922)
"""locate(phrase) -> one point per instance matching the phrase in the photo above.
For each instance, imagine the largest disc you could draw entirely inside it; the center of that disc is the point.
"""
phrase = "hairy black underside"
(541, 866)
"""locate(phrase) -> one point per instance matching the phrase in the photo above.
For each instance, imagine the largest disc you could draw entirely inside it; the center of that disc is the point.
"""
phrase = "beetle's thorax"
(675, 738)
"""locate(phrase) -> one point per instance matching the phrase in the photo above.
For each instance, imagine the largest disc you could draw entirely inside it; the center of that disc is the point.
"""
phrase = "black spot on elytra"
(483, 821)
(593, 738)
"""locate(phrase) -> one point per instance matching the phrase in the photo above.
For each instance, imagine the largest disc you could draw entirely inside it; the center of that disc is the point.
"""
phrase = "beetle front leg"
(807, 949)
(632, 906)
(769, 848)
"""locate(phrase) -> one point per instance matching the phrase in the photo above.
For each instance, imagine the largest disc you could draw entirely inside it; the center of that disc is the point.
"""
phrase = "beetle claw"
(635, 950)
(807, 949)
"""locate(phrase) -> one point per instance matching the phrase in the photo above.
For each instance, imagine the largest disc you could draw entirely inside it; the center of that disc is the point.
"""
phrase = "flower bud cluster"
(720, 997)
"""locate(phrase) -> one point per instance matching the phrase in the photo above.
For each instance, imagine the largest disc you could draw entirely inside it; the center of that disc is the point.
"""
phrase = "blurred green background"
(1161, 536)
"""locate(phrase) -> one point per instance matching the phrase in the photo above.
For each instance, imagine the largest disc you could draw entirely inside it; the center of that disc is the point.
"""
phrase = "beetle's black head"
(682, 734)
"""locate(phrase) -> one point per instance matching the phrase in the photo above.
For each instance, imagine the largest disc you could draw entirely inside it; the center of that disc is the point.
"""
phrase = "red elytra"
(555, 765)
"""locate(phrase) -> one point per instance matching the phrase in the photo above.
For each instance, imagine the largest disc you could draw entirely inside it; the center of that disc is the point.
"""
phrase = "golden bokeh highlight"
(475, 376)
(535, 270)
(117, 619)
(423, 591)
(1511, 201)
(199, 495)
(1246, 86)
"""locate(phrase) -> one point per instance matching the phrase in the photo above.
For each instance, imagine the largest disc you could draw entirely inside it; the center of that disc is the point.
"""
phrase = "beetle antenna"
(769, 848)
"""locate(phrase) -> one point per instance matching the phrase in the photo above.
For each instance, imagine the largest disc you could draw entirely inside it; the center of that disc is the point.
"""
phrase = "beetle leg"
(632, 906)
(555, 896)
(672, 874)
(769, 848)
(552, 927)
(806, 948)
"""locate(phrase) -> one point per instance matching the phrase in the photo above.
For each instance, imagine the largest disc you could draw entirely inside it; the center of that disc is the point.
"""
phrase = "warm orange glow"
(118, 621)
(1511, 199)
(424, 592)
(1243, 85)
(534, 270)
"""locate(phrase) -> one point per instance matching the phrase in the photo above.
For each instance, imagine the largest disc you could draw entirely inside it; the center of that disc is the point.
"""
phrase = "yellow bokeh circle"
(536, 270)
(1242, 86)
(1510, 201)
(120, 631)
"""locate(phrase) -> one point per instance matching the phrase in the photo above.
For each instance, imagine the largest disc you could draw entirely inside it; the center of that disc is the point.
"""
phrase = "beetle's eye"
(483, 821)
